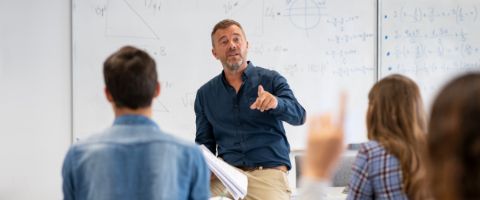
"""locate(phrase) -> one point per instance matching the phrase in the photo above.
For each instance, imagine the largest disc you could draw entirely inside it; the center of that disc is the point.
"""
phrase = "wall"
(35, 102)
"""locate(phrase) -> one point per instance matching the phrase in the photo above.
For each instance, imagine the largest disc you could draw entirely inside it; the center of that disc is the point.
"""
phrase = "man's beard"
(234, 66)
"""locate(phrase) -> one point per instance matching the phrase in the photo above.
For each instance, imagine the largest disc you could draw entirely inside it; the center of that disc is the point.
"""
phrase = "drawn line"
(306, 11)
(141, 18)
(238, 8)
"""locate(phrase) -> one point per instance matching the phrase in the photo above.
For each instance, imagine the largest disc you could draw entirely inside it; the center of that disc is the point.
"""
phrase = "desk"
(332, 193)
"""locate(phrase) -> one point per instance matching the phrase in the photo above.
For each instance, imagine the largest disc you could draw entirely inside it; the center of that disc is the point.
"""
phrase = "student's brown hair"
(131, 77)
(396, 120)
(454, 140)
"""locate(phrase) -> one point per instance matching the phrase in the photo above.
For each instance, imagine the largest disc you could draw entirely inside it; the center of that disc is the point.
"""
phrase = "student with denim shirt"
(133, 159)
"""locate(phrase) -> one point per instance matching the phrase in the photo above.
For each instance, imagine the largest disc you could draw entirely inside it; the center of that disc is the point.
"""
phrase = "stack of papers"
(235, 181)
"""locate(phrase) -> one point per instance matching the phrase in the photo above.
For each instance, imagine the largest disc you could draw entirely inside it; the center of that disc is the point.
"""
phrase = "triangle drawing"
(124, 19)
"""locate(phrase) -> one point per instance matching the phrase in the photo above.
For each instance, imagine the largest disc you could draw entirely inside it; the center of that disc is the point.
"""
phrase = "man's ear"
(108, 95)
(214, 53)
(157, 90)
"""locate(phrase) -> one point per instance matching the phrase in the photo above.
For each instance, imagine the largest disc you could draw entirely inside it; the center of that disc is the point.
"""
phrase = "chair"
(341, 176)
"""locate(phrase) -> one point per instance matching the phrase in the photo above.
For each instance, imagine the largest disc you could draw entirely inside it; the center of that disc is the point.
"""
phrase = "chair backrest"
(342, 175)
(298, 168)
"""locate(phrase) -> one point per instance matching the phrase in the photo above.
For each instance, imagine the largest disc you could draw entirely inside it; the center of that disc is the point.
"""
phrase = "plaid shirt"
(376, 174)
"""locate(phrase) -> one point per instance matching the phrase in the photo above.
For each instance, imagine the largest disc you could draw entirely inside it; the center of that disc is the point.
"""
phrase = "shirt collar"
(247, 73)
(133, 120)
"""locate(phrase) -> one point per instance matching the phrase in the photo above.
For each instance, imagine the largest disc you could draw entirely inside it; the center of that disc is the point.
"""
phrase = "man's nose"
(232, 45)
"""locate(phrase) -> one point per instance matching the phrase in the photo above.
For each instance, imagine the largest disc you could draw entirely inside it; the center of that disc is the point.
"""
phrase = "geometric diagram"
(306, 14)
(159, 107)
(123, 19)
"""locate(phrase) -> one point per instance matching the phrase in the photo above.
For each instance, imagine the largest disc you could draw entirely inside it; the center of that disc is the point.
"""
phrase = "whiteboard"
(320, 46)
(429, 41)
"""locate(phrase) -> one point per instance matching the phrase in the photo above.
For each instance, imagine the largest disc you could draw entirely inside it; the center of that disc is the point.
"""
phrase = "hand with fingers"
(325, 144)
(265, 100)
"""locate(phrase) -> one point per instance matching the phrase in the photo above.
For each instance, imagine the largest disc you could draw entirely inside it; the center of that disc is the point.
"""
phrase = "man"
(240, 114)
(133, 159)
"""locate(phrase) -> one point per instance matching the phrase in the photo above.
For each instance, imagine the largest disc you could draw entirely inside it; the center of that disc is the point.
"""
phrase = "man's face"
(230, 47)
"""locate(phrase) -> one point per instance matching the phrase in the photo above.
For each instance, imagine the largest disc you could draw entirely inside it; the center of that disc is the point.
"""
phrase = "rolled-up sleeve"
(288, 108)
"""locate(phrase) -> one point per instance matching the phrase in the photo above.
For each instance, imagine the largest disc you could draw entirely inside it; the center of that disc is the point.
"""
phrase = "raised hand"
(325, 144)
(265, 101)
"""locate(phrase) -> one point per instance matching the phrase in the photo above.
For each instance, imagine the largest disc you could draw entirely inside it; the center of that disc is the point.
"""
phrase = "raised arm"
(280, 102)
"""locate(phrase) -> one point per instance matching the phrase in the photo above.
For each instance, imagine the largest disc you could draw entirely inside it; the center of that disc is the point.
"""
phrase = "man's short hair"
(225, 24)
(131, 77)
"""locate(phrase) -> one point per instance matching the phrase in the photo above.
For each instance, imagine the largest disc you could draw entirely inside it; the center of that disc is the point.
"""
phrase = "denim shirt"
(134, 160)
(245, 137)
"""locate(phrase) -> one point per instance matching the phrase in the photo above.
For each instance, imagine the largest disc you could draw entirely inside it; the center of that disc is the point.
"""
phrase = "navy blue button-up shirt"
(246, 137)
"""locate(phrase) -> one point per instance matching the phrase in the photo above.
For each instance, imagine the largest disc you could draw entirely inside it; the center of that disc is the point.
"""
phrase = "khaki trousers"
(263, 184)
